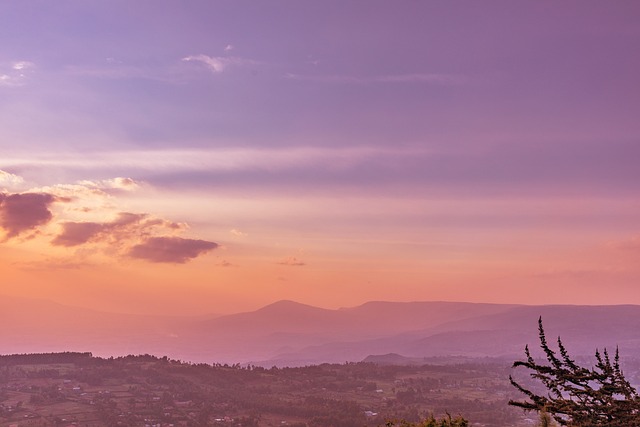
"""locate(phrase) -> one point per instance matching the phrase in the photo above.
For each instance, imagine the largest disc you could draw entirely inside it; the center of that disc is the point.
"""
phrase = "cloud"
(237, 233)
(118, 183)
(291, 261)
(16, 73)
(80, 222)
(90, 195)
(20, 212)
(77, 233)
(228, 48)
(125, 228)
(137, 236)
(217, 64)
(220, 159)
(224, 263)
(22, 65)
(10, 180)
(170, 249)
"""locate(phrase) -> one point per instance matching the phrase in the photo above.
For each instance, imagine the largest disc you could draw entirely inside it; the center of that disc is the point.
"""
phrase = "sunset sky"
(174, 157)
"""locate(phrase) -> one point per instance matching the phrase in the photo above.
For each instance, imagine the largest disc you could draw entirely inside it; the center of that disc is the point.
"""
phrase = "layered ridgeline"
(289, 333)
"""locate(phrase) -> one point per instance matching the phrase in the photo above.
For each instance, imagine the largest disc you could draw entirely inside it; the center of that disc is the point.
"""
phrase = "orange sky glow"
(217, 159)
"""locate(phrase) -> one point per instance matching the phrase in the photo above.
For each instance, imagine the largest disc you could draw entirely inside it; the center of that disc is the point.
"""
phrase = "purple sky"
(431, 137)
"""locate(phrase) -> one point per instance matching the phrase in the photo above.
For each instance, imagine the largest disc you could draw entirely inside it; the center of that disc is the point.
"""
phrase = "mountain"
(279, 317)
(501, 335)
(286, 327)
(287, 333)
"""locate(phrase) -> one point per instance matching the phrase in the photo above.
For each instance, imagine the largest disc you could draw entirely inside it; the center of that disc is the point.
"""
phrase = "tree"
(577, 396)
(431, 421)
(545, 420)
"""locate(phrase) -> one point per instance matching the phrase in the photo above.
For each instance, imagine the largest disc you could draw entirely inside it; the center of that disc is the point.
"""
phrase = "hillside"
(61, 389)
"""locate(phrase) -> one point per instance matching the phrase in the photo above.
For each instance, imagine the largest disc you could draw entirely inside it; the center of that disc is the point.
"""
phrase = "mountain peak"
(289, 306)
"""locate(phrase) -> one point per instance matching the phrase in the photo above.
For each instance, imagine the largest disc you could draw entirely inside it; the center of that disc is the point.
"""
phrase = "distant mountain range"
(290, 333)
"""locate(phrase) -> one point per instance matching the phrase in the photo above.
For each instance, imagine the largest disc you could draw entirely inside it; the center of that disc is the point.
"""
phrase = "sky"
(169, 157)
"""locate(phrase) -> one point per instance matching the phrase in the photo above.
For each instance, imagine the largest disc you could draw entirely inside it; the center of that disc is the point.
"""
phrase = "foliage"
(545, 420)
(577, 396)
(431, 421)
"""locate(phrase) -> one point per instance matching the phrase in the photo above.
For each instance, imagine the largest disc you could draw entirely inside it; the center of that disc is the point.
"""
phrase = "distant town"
(77, 389)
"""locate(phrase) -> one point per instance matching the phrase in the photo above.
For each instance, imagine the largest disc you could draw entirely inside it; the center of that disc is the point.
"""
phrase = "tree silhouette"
(431, 421)
(577, 396)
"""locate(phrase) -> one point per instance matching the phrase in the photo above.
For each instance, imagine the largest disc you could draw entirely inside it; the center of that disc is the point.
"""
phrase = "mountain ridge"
(288, 332)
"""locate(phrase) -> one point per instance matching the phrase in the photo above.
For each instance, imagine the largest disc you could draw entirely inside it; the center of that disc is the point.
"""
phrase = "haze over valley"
(287, 333)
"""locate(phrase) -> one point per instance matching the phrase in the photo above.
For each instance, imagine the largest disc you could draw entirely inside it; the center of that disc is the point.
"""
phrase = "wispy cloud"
(292, 262)
(118, 183)
(51, 264)
(16, 73)
(217, 64)
(213, 159)
(23, 65)
(224, 263)
(90, 194)
(237, 233)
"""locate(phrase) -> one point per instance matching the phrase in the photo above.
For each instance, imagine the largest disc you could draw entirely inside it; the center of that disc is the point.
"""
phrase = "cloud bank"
(138, 236)
(131, 235)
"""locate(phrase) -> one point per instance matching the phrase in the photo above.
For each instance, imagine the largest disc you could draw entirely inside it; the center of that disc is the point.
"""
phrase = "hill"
(288, 333)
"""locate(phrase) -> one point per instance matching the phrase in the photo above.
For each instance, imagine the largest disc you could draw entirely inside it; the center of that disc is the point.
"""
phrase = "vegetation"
(66, 388)
(579, 396)
(431, 421)
(59, 389)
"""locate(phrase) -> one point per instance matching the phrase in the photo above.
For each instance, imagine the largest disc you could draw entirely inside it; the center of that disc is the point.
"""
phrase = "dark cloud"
(124, 219)
(171, 249)
(24, 212)
(124, 234)
(77, 233)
